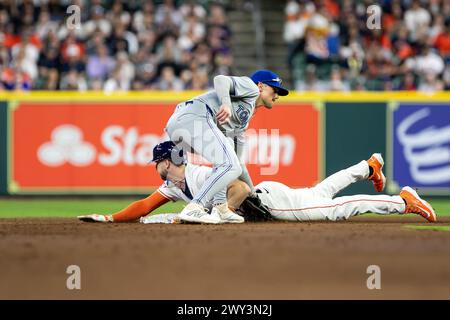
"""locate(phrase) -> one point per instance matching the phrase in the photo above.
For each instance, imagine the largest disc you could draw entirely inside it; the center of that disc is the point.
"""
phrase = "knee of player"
(245, 187)
(233, 168)
(236, 170)
(241, 187)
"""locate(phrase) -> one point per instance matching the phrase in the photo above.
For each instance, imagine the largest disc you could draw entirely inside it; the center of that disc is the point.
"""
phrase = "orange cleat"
(414, 204)
(376, 162)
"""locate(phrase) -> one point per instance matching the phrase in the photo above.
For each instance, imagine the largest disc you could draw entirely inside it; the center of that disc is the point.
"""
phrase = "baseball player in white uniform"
(181, 181)
(184, 181)
(213, 125)
(319, 202)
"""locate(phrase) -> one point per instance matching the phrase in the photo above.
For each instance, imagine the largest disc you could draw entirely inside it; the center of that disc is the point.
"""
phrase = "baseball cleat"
(225, 215)
(376, 162)
(196, 213)
(414, 204)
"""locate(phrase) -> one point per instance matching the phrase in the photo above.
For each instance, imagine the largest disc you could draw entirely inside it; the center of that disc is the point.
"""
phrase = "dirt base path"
(251, 261)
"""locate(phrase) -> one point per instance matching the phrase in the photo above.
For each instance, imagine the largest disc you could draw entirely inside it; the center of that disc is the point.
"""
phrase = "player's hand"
(224, 114)
(96, 218)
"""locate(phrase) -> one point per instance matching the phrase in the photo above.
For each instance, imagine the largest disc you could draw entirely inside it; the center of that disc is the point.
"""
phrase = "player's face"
(268, 95)
(162, 168)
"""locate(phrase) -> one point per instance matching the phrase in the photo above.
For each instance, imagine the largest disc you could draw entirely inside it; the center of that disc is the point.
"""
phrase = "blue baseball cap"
(271, 79)
(167, 150)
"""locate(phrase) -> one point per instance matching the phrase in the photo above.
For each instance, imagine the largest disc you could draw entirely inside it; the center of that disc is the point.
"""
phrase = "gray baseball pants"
(193, 127)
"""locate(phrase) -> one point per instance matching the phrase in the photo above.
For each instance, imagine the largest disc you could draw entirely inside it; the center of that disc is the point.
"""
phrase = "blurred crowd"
(338, 45)
(118, 45)
(112, 45)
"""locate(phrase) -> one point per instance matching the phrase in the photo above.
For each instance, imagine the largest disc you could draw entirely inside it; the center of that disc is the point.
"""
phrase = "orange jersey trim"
(140, 208)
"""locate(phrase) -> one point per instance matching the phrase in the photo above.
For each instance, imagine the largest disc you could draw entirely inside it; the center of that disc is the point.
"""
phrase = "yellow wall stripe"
(174, 96)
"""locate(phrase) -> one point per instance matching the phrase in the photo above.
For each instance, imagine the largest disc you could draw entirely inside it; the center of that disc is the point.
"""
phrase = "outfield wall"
(3, 146)
(88, 143)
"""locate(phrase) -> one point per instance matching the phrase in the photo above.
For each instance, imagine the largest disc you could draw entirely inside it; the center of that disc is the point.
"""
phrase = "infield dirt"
(325, 260)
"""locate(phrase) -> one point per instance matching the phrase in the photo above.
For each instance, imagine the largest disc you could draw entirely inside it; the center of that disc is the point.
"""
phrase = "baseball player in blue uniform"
(212, 125)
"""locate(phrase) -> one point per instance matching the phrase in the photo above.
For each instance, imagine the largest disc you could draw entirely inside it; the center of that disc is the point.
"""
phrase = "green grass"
(434, 228)
(27, 208)
(23, 208)
(440, 206)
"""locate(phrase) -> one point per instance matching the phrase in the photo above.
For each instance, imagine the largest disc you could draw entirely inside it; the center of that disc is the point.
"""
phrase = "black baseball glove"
(254, 211)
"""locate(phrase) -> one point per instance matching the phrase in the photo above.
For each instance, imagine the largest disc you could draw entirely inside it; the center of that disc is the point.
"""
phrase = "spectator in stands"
(120, 43)
(223, 63)
(38, 50)
(427, 62)
(168, 80)
(73, 81)
(117, 41)
(168, 18)
(24, 64)
(317, 30)
(336, 81)
(27, 47)
(192, 8)
(200, 80)
(410, 51)
(97, 21)
(52, 80)
(431, 83)
(125, 70)
(417, 19)
(45, 24)
(168, 51)
(442, 41)
(192, 31)
(72, 54)
(101, 64)
(143, 19)
(118, 14)
(13, 79)
(112, 84)
(408, 82)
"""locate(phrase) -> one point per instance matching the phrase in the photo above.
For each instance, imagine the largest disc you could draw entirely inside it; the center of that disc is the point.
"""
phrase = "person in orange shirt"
(442, 42)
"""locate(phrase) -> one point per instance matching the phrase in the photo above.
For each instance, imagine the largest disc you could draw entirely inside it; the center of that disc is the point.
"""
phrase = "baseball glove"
(254, 211)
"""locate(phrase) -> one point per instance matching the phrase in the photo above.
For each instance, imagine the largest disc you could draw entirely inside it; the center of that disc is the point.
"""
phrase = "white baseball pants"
(317, 203)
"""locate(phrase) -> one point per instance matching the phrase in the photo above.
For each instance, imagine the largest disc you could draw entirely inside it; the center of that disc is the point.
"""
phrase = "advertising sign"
(421, 147)
(106, 146)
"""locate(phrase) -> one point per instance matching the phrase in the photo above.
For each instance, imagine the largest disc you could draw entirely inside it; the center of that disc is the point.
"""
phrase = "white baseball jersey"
(195, 177)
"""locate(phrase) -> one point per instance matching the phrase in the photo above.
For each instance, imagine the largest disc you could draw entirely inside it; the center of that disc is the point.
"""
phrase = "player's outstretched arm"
(132, 212)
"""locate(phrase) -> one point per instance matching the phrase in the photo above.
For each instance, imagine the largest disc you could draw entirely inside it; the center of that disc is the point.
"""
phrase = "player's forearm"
(140, 208)
(237, 192)
(222, 86)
